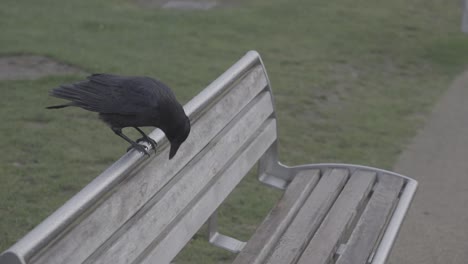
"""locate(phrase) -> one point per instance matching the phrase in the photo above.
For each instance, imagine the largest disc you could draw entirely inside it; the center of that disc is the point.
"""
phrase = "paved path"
(436, 228)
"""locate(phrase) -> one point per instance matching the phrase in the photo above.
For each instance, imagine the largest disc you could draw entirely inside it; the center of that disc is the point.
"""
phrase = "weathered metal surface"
(184, 188)
(406, 196)
(406, 189)
(97, 211)
(390, 233)
(220, 240)
(323, 245)
(308, 219)
(128, 198)
(180, 232)
(365, 236)
(268, 233)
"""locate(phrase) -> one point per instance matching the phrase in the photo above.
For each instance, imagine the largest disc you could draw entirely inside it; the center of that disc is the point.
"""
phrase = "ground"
(186, 4)
(435, 231)
(20, 67)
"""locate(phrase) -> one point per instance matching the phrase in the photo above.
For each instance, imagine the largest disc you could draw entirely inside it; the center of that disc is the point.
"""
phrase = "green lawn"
(353, 81)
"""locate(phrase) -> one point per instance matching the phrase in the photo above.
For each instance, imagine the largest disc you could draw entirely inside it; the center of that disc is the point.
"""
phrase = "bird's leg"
(141, 148)
(147, 138)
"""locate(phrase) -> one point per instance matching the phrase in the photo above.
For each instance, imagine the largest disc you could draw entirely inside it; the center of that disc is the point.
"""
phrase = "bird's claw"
(140, 148)
(151, 141)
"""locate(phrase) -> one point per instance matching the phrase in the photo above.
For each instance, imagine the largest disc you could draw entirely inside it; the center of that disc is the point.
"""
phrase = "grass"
(353, 82)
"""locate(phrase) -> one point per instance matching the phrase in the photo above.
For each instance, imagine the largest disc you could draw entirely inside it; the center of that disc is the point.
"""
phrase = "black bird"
(129, 101)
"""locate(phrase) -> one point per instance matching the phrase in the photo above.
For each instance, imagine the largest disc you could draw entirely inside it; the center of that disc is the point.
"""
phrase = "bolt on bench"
(145, 210)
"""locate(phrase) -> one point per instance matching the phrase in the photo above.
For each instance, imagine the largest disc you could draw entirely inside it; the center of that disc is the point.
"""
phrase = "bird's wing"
(106, 93)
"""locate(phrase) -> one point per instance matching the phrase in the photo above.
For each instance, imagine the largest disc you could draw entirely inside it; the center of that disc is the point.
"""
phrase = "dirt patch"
(30, 67)
(186, 4)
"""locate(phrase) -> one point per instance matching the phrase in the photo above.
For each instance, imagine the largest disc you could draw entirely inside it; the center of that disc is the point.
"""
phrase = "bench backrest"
(144, 210)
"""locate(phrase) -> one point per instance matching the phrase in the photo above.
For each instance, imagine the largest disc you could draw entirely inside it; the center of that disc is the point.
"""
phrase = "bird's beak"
(173, 151)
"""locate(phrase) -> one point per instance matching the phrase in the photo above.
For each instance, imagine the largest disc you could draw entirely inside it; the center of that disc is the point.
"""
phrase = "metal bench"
(145, 210)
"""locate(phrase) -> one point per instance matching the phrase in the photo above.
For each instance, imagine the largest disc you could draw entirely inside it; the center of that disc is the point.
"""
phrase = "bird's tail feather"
(82, 94)
(58, 106)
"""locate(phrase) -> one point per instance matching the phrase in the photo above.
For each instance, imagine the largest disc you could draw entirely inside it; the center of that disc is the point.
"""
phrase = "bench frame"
(270, 172)
(270, 163)
(275, 174)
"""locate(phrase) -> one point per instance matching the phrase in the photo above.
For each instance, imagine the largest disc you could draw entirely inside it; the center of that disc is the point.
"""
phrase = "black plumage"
(129, 101)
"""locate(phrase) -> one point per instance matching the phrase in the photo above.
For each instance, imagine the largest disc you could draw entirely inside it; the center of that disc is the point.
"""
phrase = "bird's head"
(178, 135)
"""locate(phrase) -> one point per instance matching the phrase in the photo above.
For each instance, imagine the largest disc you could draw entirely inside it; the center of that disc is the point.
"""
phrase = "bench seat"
(330, 214)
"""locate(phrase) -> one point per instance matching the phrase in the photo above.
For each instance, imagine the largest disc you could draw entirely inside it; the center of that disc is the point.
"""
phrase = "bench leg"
(273, 173)
(220, 240)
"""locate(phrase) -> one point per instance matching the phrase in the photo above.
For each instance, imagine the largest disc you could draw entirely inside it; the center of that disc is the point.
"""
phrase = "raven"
(129, 101)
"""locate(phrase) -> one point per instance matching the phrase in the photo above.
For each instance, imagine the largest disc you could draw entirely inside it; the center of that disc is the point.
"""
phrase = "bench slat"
(142, 184)
(161, 210)
(372, 221)
(182, 230)
(309, 217)
(323, 245)
(268, 233)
